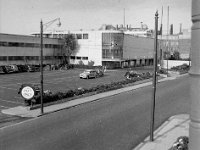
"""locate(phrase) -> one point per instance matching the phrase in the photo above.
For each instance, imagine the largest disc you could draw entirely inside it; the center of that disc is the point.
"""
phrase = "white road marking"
(10, 101)
(4, 106)
(7, 88)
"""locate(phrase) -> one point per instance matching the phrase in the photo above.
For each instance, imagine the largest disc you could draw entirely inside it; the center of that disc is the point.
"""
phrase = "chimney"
(180, 32)
(160, 32)
(171, 29)
(117, 27)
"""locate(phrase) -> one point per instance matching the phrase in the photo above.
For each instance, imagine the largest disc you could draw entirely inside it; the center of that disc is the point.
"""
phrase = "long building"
(20, 49)
(111, 48)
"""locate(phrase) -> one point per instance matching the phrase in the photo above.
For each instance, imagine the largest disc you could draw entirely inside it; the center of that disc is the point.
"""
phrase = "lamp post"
(154, 79)
(41, 67)
(41, 59)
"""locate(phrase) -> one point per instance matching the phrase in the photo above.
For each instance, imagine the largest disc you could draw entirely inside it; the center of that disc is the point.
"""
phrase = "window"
(84, 58)
(79, 36)
(19, 58)
(3, 58)
(48, 57)
(3, 43)
(72, 57)
(85, 36)
(11, 57)
(78, 57)
(31, 57)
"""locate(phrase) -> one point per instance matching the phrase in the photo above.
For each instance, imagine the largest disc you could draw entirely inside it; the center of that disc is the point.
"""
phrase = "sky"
(24, 16)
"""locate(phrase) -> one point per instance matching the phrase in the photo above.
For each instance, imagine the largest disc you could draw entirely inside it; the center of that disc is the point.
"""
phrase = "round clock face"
(27, 92)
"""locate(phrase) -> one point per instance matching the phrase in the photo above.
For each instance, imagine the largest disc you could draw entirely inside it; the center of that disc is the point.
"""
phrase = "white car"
(88, 74)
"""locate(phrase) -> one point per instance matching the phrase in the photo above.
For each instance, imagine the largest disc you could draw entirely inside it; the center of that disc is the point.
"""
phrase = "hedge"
(51, 97)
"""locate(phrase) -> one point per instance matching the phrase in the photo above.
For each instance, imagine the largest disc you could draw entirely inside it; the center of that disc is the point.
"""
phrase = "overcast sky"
(23, 16)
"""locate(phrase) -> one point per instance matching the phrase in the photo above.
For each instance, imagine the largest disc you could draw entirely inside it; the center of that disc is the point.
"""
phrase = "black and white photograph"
(99, 75)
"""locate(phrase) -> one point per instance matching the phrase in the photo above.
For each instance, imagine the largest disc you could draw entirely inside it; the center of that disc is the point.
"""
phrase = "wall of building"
(137, 47)
(88, 50)
(137, 51)
(19, 49)
(173, 63)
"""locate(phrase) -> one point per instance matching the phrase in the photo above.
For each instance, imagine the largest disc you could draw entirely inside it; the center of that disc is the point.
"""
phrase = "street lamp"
(154, 79)
(41, 57)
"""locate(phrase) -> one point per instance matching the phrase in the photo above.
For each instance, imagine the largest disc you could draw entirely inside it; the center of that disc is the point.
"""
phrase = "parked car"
(131, 74)
(31, 68)
(14, 68)
(8, 69)
(2, 69)
(100, 72)
(22, 68)
(88, 74)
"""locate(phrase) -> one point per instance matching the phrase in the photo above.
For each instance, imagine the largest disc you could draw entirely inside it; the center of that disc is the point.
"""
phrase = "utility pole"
(154, 79)
(167, 37)
(194, 75)
(41, 67)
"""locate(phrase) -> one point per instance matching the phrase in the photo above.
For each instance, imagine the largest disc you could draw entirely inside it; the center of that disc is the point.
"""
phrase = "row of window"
(78, 58)
(76, 36)
(35, 45)
(113, 53)
(24, 58)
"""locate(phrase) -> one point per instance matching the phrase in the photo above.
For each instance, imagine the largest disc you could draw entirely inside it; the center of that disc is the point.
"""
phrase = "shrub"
(181, 143)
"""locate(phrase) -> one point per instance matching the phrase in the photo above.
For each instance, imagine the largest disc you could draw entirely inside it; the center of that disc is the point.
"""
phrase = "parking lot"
(56, 80)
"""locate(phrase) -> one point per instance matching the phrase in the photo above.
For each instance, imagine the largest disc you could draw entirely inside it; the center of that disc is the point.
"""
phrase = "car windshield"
(87, 71)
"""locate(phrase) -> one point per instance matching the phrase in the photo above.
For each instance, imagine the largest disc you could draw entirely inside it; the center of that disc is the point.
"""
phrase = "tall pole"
(154, 79)
(194, 76)
(124, 18)
(161, 42)
(41, 67)
(167, 37)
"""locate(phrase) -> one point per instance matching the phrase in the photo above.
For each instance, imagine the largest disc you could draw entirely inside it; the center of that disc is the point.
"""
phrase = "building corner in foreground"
(194, 127)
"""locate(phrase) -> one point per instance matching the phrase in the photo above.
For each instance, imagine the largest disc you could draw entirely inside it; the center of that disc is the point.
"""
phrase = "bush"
(181, 143)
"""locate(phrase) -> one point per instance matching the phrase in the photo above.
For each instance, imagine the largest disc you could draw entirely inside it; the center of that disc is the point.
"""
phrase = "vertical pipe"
(41, 66)
(194, 74)
(154, 80)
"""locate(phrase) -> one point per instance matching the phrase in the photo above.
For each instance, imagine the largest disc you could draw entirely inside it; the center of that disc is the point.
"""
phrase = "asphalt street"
(113, 123)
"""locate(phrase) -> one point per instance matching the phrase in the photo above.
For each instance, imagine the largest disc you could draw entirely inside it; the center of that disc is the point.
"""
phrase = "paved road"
(114, 123)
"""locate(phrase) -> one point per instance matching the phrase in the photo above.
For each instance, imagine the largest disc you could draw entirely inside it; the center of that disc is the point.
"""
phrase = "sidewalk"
(167, 134)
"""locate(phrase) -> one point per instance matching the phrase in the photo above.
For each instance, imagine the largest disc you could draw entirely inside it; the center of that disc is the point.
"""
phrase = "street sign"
(27, 92)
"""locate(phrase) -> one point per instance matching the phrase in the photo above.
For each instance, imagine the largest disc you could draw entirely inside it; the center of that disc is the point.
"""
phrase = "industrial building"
(21, 49)
(106, 47)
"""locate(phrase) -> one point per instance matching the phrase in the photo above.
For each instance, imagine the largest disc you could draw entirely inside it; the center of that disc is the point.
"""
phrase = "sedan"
(88, 74)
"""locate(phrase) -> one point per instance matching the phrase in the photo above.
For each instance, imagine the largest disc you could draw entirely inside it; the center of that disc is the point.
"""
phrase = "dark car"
(31, 68)
(2, 69)
(22, 68)
(8, 69)
(131, 74)
(100, 72)
(14, 68)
